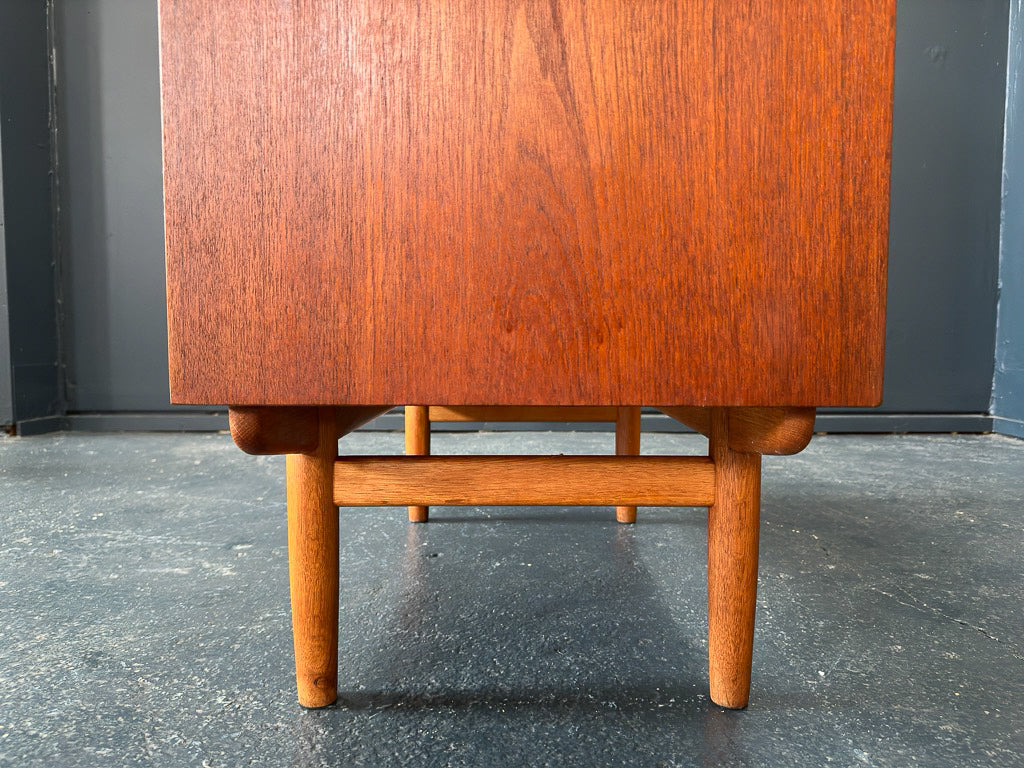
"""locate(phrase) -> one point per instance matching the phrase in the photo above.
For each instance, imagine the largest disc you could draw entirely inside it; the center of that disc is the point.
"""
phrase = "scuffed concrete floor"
(144, 614)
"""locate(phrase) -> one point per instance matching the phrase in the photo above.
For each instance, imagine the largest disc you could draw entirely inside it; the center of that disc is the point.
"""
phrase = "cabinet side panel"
(512, 202)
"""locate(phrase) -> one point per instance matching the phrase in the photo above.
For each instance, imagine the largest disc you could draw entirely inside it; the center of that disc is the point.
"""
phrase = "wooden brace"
(265, 430)
(768, 431)
(727, 481)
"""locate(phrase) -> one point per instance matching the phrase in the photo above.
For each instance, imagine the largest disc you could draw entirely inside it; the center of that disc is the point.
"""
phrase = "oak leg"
(417, 443)
(313, 565)
(627, 443)
(733, 527)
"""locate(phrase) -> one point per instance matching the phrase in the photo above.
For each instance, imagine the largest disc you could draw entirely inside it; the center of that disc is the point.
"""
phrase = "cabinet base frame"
(728, 481)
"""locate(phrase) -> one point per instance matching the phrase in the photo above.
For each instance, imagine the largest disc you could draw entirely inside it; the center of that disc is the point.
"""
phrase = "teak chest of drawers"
(526, 204)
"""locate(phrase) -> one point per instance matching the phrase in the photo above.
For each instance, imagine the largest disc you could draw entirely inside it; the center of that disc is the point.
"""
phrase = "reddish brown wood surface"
(380, 481)
(771, 431)
(734, 522)
(264, 430)
(627, 443)
(417, 443)
(517, 202)
(313, 564)
(483, 413)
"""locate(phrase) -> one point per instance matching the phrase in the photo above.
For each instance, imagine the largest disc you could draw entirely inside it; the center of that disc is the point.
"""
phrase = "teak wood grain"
(771, 431)
(733, 532)
(523, 413)
(417, 443)
(371, 481)
(527, 202)
(627, 443)
(313, 564)
(266, 430)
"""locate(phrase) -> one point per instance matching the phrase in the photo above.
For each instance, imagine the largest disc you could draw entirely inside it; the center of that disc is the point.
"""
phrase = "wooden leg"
(627, 443)
(417, 443)
(313, 565)
(733, 527)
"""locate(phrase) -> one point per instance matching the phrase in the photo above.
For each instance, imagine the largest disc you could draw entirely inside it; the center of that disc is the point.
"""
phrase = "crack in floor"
(923, 607)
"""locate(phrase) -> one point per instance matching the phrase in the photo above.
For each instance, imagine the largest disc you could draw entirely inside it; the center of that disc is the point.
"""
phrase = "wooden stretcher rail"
(522, 413)
(671, 481)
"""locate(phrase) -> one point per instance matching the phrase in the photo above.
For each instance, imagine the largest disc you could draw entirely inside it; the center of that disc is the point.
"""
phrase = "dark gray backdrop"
(30, 375)
(947, 155)
(1008, 398)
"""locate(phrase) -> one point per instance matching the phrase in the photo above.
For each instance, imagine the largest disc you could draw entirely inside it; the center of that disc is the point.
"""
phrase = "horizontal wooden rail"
(669, 481)
(522, 413)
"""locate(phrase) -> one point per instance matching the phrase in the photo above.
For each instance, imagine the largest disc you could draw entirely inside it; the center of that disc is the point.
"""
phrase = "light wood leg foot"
(733, 528)
(417, 443)
(313, 565)
(627, 443)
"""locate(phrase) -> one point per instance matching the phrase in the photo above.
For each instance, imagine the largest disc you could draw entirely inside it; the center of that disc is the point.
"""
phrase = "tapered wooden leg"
(733, 528)
(417, 443)
(627, 443)
(313, 565)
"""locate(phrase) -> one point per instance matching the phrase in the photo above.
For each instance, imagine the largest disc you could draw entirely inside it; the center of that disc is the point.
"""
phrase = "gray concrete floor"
(144, 614)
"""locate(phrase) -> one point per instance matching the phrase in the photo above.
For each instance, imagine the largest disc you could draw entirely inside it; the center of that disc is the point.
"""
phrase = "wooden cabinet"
(457, 202)
(531, 204)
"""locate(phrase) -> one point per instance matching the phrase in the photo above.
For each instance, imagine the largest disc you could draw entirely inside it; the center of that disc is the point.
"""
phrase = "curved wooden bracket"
(265, 430)
(778, 431)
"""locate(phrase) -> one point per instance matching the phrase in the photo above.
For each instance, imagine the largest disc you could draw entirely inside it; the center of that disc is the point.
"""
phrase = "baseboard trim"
(217, 421)
(185, 421)
(1008, 427)
(897, 423)
(40, 426)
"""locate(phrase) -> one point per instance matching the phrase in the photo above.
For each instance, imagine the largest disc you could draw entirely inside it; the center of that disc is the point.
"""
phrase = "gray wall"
(6, 374)
(109, 107)
(946, 183)
(947, 159)
(30, 374)
(1008, 394)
